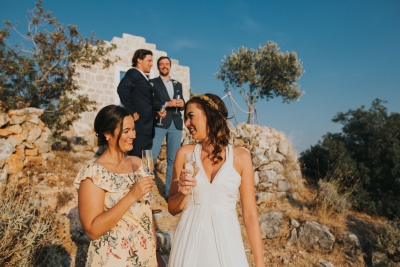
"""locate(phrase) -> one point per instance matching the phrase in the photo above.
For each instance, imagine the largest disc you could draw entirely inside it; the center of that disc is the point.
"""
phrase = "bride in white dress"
(208, 232)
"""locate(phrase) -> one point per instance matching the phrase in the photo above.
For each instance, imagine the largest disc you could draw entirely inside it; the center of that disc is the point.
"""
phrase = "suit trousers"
(173, 137)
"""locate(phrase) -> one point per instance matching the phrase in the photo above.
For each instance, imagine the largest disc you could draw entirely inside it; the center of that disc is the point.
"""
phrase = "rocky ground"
(300, 221)
(278, 251)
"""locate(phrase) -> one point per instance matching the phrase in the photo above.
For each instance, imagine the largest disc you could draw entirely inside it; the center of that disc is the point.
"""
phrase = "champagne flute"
(190, 164)
(147, 163)
(176, 109)
(162, 110)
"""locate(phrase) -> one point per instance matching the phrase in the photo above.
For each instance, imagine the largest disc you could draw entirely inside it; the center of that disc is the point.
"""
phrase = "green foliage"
(266, 72)
(28, 232)
(42, 73)
(366, 155)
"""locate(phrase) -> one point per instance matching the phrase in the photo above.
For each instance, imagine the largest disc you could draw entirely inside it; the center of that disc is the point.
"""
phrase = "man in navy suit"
(166, 91)
(136, 95)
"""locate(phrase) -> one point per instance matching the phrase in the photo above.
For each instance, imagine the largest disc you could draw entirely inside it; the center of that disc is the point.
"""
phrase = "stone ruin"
(101, 84)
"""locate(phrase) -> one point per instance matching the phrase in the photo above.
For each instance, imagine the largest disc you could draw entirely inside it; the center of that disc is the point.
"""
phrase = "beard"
(164, 72)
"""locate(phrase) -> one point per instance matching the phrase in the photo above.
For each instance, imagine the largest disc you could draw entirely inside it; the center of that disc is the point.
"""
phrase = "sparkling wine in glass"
(148, 166)
(162, 110)
(147, 162)
(190, 164)
(176, 109)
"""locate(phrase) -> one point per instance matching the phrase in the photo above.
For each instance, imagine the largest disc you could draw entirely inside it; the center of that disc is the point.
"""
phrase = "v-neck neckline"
(219, 169)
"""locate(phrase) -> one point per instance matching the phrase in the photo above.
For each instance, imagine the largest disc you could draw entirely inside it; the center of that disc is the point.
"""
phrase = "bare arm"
(179, 191)
(243, 164)
(95, 221)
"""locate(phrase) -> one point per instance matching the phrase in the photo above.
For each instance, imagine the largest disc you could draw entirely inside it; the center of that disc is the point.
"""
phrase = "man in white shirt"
(167, 92)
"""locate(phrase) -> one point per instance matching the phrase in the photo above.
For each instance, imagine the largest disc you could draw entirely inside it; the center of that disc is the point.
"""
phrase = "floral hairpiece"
(209, 100)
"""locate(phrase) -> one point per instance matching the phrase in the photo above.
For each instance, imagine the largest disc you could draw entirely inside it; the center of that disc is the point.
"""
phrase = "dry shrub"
(330, 200)
(63, 198)
(28, 232)
(388, 240)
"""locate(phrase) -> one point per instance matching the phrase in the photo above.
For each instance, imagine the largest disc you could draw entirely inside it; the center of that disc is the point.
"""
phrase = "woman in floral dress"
(113, 200)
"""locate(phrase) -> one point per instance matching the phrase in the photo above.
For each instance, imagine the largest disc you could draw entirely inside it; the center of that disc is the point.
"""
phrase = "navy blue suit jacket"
(161, 96)
(136, 95)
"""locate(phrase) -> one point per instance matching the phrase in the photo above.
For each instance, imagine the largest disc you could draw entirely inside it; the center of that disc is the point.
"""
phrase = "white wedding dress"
(208, 232)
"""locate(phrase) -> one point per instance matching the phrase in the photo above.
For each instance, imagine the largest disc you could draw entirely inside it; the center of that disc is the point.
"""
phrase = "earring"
(107, 138)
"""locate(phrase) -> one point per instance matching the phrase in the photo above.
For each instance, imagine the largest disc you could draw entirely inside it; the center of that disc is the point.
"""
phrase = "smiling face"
(164, 66)
(124, 140)
(196, 122)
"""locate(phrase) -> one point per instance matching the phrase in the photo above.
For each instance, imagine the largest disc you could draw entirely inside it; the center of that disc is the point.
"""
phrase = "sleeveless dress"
(131, 241)
(208, 232)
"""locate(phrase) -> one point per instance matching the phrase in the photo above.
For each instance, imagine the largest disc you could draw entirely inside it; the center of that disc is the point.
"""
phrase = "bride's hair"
(217, 125)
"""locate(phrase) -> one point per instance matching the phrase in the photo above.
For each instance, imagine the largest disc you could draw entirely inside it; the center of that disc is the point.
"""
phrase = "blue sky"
(350, 49)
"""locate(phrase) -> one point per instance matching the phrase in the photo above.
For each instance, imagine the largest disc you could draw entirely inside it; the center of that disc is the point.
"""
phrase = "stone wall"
(101, 84)
(276, 168)
(23, 142)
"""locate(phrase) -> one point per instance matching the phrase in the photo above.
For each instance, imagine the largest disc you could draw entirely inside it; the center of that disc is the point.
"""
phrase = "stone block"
(12, 140)
(4, 119)
(33, 118)
(268, 176)
(283, 186)
(20, 137)
(17, 119)
(4, 132)
(313, 235)
(6, 149)
(265, 198)
(275, 166)
(14, 129)
(14, 164)
(271, 224)
(31, 152)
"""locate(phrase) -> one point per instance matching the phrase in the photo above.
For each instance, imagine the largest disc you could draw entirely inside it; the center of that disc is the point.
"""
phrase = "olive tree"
(262, 73)
(40, 73)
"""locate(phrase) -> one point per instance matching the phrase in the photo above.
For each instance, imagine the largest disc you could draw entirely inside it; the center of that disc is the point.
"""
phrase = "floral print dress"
(131, 241)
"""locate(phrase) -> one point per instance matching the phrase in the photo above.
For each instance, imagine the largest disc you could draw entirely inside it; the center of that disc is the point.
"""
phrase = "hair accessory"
(209, 100)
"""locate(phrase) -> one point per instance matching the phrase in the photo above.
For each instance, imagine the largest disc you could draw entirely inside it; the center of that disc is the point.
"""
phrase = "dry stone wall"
(276, 169)
(23, 142)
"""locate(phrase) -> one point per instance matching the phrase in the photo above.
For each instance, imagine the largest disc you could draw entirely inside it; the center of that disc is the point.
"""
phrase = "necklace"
(123, 159)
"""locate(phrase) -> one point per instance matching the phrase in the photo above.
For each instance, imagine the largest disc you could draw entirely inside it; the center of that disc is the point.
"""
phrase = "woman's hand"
(186, 181)
(142, 187)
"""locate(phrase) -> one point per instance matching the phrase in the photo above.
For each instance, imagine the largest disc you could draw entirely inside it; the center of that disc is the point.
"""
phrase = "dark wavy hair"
(107, 120)
(161, 58)
(140, 54)
(217, 124)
